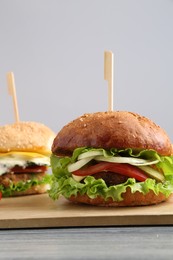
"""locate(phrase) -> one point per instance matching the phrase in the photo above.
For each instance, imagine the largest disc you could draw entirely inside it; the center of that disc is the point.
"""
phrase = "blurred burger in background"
(114, 158)
(25, 149)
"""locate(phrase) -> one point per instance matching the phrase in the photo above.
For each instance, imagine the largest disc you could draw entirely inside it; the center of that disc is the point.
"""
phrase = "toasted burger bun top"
(117, 129)
(26, 137)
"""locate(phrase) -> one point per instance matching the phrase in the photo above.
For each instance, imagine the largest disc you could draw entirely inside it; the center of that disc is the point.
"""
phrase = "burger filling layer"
(8, 178)
(99, 172)
(19, 171)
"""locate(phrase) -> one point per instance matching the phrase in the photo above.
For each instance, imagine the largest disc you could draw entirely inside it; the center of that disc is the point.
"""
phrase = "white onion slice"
(129, 160)
(78, 178)
(79, 164)
(89, 154)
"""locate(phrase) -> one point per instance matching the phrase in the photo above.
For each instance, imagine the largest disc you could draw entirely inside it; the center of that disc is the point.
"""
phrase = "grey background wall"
(55, 49)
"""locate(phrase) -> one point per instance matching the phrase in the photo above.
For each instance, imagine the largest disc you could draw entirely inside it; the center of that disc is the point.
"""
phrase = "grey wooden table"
(88, 243)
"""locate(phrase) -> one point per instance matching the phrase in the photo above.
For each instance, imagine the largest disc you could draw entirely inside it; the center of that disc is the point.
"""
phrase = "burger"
(114, 158)
(25, 149)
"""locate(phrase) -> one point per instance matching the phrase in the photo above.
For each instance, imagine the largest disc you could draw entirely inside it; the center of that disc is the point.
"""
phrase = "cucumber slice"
(153, 173)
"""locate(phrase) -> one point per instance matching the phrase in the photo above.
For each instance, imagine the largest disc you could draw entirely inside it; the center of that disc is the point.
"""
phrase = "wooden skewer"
(12, 92)
(108, 75)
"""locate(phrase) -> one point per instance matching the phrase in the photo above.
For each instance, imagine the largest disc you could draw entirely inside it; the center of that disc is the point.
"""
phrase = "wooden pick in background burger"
(25, 149)
(112, 159)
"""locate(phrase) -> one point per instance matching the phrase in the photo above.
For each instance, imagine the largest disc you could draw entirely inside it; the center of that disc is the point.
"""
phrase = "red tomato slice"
(0, 195)
(120, 168)
(18, 169)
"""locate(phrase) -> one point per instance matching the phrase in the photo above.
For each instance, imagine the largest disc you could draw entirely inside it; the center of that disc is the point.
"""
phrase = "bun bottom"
(36, 189)
(129, 199)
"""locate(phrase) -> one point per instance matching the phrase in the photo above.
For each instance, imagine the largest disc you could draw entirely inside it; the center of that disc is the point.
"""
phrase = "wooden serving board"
(38, 211)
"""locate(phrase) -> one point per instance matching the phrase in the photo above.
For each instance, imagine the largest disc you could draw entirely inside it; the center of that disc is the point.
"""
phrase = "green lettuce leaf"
(23, 186)
(64, 184)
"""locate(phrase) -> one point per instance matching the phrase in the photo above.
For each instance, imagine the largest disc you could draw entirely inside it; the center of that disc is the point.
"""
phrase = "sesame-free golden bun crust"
(26, 137)
(116, 129)
(129, 199)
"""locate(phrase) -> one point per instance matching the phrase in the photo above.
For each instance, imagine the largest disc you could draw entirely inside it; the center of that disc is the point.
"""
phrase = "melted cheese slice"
(11, 159)
(22, 154)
